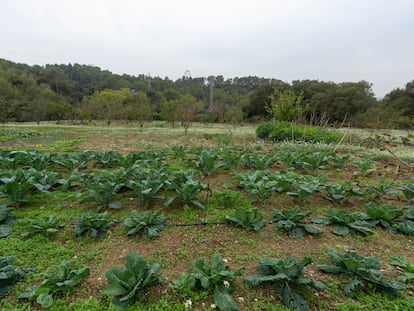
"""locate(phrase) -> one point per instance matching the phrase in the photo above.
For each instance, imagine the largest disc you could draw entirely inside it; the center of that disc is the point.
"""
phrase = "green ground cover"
(233, 195)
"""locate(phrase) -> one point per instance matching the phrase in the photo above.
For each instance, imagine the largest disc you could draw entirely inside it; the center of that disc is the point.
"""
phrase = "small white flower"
(213, 306)
(240, 299)
(226, 284)
(188, 303)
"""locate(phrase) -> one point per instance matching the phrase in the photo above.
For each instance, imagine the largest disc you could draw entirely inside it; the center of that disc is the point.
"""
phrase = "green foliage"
(285, 106)
(408, 190)
(187, 193)
(61, 279)
(344, 221)
(102, 189)
(95, 224)
(6, 219)
(264, 129)
(108, 159)
(10, 274)
(258, 162)
(149, 186)
(285, 131)
(44, 181)
(150, 224)
(362, 270)
(384, 215)
(407, 268)
(227, 159)
(210, 275)
(314, 161)
(293, 222)
(340, 192)
(304, 187)
(405, 224)
(257, 184)
(378, 191)
(128, 284)
(206, 161)
(227, 198)
(248, 219)
(285, 275)
(340, 160)
(364, 166)
(45, 225)
(17, 189)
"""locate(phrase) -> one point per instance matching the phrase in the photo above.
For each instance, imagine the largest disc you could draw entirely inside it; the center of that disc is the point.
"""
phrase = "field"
(197, 182)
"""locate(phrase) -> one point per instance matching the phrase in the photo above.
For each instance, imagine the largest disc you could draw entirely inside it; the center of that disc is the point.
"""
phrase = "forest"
(81, 93)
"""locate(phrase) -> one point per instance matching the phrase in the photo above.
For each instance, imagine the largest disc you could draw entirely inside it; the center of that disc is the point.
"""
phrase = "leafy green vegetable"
(340, 192)
(17, 189)
(6, 219)
(293, 222)
(248, 219)
(340, 160)
(406, 267)
(227, 198)
(206, 161)
(305, 186)
(47, 224)
(61, 279)
(151, 183)
(285, 275)
(384, 215)
(108, 159)
(408, 190)
(129, 283)
(314, 161)
(257, 184)
(103, 187)
(148, 223)
(405, 224)
(211, 275)
(10, 275)
(187, 193)
(258, 162)
(44, 181)
(344, 221)
(361, 270)
(95, 224)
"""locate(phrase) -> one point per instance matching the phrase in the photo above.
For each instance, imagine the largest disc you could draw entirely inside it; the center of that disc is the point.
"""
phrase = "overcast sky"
(330, 40)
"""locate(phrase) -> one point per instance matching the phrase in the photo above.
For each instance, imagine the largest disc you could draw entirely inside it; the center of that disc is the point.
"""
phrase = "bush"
(283, 131)
(264, 129)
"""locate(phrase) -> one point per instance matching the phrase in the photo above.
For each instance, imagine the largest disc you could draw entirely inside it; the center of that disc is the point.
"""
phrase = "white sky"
(330, 40)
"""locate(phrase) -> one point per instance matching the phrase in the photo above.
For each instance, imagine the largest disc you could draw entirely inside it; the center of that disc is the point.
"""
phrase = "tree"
(169, 111)
(108, 104)
(188, 109)
(260, 98)
(233, 117)
(138, 107)
(285, 106)
(58, 111)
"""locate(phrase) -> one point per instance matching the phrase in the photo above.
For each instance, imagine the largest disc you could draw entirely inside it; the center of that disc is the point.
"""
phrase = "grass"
(178, 246)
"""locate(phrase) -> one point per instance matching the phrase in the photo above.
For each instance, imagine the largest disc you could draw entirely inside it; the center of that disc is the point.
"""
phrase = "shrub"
(285, 131)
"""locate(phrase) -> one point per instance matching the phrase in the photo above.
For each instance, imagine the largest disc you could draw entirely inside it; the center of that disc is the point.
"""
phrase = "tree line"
(84, 92)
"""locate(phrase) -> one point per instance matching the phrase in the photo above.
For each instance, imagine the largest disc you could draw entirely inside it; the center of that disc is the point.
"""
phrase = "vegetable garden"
(227, 223)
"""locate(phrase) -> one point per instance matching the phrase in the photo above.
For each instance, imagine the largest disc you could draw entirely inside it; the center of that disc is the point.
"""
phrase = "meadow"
(213, 219)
